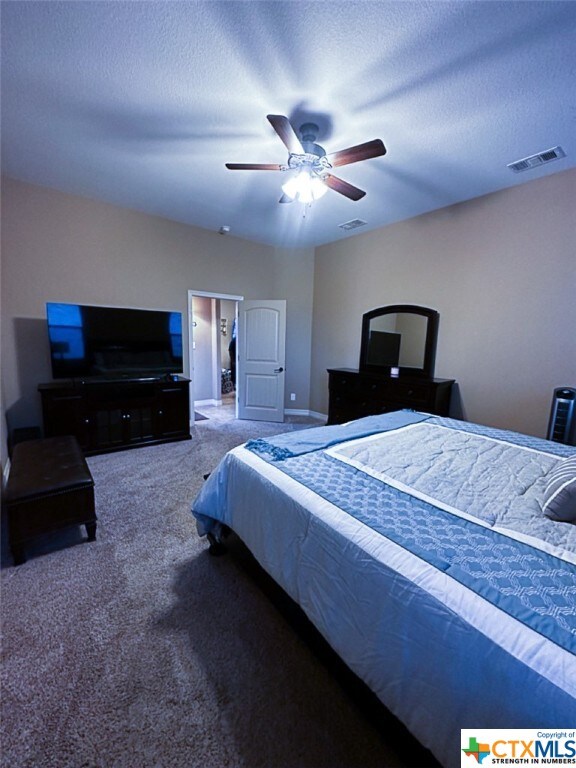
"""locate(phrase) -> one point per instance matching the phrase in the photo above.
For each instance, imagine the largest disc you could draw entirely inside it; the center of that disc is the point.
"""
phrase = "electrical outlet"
(293, 396)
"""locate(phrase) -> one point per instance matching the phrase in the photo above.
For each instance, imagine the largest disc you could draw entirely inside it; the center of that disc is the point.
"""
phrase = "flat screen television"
(90, 342)
(384, 349)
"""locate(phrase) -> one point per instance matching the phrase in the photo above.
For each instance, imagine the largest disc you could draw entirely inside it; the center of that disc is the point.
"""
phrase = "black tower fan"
(562, 424)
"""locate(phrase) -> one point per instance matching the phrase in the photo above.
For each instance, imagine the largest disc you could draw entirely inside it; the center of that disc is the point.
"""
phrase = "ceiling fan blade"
(286, 199)
(253, 167)
(364, 151)
(282, 126)
(339, 185)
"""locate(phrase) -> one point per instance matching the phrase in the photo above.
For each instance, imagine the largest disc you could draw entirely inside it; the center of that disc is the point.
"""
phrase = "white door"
(261, 359)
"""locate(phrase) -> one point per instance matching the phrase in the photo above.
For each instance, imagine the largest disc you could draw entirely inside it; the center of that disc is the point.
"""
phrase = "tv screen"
(384, 348)
(113, 342)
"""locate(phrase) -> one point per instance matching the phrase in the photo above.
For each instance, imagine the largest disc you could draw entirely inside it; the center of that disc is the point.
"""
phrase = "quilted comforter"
(418, 547)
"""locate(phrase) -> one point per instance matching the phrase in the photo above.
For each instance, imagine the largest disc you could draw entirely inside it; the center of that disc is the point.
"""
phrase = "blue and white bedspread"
(418, 547)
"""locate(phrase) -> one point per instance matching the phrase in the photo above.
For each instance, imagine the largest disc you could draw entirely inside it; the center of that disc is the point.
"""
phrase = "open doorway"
(211, 326)
(260, 324)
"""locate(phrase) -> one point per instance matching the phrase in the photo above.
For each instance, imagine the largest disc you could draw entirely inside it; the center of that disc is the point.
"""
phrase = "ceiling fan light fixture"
(305, 186)
(311, 164)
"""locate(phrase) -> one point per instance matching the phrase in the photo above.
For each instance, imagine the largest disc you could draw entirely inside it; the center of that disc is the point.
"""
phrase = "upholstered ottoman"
(49, 487)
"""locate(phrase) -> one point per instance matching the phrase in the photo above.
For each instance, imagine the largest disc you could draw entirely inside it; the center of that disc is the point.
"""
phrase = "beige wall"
(60, 247)
(501, 271)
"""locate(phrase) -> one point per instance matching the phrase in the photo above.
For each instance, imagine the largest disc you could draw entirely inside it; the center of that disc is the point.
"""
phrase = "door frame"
(190, 326)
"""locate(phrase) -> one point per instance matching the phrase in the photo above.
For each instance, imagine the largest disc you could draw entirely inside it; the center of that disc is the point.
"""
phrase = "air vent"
(535, 160)
(352, 224)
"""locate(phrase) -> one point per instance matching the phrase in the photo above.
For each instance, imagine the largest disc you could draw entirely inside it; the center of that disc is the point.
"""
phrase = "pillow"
(560, 492)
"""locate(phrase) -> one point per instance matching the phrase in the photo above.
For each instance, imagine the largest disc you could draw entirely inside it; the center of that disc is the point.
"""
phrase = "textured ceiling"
(142, 103)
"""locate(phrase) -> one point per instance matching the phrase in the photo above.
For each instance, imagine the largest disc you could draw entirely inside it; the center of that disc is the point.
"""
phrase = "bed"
(436, 556)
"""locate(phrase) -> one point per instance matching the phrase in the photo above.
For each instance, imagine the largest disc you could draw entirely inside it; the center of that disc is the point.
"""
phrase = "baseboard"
(305, 412)
(207, 402)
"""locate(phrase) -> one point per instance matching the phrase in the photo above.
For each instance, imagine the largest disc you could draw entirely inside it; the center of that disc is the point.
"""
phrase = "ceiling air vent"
(352, 224)
(535, 160)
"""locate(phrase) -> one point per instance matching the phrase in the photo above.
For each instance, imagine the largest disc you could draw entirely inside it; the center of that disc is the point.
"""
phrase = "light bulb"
(305, 195)
(291, 188)
(318, 187)
(305, 186)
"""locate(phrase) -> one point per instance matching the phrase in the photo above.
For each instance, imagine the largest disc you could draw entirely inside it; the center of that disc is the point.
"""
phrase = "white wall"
(501, 271)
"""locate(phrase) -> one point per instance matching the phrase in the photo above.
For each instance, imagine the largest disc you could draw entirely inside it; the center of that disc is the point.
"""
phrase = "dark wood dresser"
(354, 393)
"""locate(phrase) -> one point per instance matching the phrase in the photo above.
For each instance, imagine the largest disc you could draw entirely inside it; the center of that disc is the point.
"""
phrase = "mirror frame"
(432, 316)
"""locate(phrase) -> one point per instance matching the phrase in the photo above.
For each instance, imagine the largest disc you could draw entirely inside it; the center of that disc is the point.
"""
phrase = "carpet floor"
(139, 650)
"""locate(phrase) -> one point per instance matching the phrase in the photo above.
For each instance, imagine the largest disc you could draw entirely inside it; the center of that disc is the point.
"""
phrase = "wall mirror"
(399, 339)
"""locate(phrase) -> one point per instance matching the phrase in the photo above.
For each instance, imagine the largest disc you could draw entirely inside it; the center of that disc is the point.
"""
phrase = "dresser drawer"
(356, 386)
(361, 404)
(342, 384)
(354, 394)
(408, 391)
(340, 412)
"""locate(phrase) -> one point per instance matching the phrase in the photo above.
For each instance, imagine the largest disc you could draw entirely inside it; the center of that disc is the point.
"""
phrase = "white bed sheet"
(437, 655)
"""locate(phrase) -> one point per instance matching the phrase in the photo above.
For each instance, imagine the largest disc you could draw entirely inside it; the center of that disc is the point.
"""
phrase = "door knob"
(278, 370)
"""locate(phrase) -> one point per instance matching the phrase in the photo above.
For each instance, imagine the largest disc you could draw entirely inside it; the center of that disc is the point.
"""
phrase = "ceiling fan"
(311, 164)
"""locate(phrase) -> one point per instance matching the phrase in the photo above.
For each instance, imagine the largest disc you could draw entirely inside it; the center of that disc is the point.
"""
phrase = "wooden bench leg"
(91, 531)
